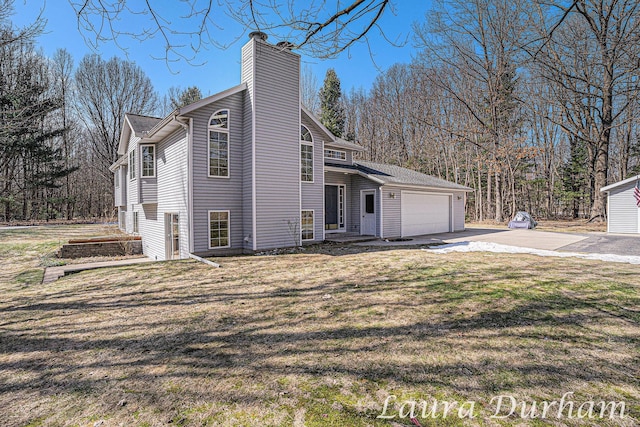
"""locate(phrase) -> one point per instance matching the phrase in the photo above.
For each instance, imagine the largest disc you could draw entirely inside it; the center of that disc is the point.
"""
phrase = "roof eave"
(620, 183)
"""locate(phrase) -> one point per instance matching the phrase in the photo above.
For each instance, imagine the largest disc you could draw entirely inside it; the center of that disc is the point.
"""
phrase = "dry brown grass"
(559, 225)
(316, 339)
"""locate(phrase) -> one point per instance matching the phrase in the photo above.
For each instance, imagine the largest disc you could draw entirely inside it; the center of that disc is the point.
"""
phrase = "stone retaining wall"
(81, 250)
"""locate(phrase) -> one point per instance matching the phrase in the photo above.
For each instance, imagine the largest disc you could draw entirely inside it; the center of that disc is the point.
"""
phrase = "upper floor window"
(148, 160)
(132, 164)
(335, 154)
(306, 155)
(219, 144)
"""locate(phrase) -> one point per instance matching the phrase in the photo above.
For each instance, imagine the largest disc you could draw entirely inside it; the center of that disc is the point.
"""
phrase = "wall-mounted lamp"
(392, 195)
(459, 197)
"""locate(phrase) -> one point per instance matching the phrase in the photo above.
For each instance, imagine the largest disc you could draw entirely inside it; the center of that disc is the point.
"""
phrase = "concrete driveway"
(600, 243)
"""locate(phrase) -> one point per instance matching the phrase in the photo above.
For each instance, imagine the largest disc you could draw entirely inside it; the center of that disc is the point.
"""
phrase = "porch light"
(392, 195)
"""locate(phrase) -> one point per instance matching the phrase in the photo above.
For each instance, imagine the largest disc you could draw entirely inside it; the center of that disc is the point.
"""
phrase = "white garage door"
(425, 213)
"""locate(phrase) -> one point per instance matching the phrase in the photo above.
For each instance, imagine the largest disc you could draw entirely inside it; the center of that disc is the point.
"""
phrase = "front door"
(172, 235)
(368, 210)
(334, 207)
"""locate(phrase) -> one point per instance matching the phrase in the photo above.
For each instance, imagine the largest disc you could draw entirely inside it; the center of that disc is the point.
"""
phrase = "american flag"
(636, 194)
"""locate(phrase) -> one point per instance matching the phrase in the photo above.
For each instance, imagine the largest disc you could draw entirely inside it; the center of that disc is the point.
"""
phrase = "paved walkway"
(51, 274)
(522, 238)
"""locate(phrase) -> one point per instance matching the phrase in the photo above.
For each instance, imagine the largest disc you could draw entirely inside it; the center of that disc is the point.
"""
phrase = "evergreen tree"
(186, 97)
(331, 108)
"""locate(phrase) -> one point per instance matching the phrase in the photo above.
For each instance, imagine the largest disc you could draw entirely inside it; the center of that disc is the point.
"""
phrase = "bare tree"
(106, 90)
(592, 61)
(321, 29)
(309, 87)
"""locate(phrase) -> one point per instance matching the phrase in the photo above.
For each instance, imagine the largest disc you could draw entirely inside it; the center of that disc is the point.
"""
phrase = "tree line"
(533, 105)
(60, 124)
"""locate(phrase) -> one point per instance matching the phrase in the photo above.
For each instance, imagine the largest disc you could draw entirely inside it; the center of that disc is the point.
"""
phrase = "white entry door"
(368, 213)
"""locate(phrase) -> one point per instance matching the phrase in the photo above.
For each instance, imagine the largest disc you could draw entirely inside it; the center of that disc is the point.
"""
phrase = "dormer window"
(306, 155)
(219, 144)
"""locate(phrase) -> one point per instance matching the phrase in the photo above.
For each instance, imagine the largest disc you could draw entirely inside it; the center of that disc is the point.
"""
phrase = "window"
(148, 161)
(335, 154)
(306, 162)
(306, 225)
(219, 144)
(306, 155)
(218, 229)
(132, 164)
(135, 222)
(116, 178)
(369, 202)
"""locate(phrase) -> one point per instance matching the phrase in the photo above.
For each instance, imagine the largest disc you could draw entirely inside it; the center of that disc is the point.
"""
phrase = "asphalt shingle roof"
(142, 123)
(390, 174)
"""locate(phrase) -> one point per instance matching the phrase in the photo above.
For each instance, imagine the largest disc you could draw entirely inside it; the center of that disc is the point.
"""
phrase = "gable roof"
(396, 175)
(141, 124)
(335, 141)
(620, 183)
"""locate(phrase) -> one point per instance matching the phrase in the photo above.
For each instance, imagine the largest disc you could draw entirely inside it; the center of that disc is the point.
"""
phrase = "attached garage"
(425, 213)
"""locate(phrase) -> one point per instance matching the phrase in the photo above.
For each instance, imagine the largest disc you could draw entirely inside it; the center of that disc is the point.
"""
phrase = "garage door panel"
(423, 213)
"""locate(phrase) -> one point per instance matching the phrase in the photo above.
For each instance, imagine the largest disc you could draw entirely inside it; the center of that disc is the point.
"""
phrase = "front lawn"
(320, 338)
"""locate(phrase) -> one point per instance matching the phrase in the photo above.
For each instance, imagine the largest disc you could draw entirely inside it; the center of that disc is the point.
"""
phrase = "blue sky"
(221, 68)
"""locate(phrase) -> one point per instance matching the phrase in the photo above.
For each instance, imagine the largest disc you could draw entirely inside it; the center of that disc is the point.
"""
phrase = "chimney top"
(285, 45)
(258, 35)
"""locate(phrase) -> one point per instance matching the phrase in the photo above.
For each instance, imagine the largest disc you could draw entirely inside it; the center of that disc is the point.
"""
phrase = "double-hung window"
(306, 155)
(306, 225)
(219, 144)
(218, 229)
(148, 161)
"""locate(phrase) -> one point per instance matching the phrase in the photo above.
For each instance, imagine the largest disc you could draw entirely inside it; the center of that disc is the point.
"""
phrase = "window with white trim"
(148, 155)
(306, 155)
(219, 144)
(136, 224)
(218, 229)
(306, 225)
(132, 164)
(335, 154)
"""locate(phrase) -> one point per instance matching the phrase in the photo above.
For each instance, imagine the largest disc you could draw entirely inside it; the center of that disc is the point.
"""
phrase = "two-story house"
(250, 168)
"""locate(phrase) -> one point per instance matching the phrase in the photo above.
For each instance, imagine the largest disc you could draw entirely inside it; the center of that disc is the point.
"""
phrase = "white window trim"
(342, 229)
(132, 164)
(209, 229)
(313, 224)
(334, 151)
(313, 161)
(222, 130)
(142, 161)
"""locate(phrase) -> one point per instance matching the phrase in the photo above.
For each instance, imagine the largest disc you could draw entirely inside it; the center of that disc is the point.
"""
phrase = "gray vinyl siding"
(173, 192)
(337, 178)
(392, 223)
(148, 190)
(247, 147)
(313, 192)
(276, 94)
(132, 184)
(152, 231)
(458, 210)
(120, 198)
(391, 219)
(358, 184)
(623, 212)
(218, 193)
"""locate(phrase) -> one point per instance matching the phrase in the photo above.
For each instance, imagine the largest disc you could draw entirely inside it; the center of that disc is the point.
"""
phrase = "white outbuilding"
(622, 206)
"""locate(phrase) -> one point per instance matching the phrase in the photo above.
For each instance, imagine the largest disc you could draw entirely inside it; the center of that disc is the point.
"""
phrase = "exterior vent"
(258, 35)
(285, 45)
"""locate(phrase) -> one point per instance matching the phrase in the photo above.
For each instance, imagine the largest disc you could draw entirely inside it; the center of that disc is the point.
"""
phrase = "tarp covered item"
(522, 220)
